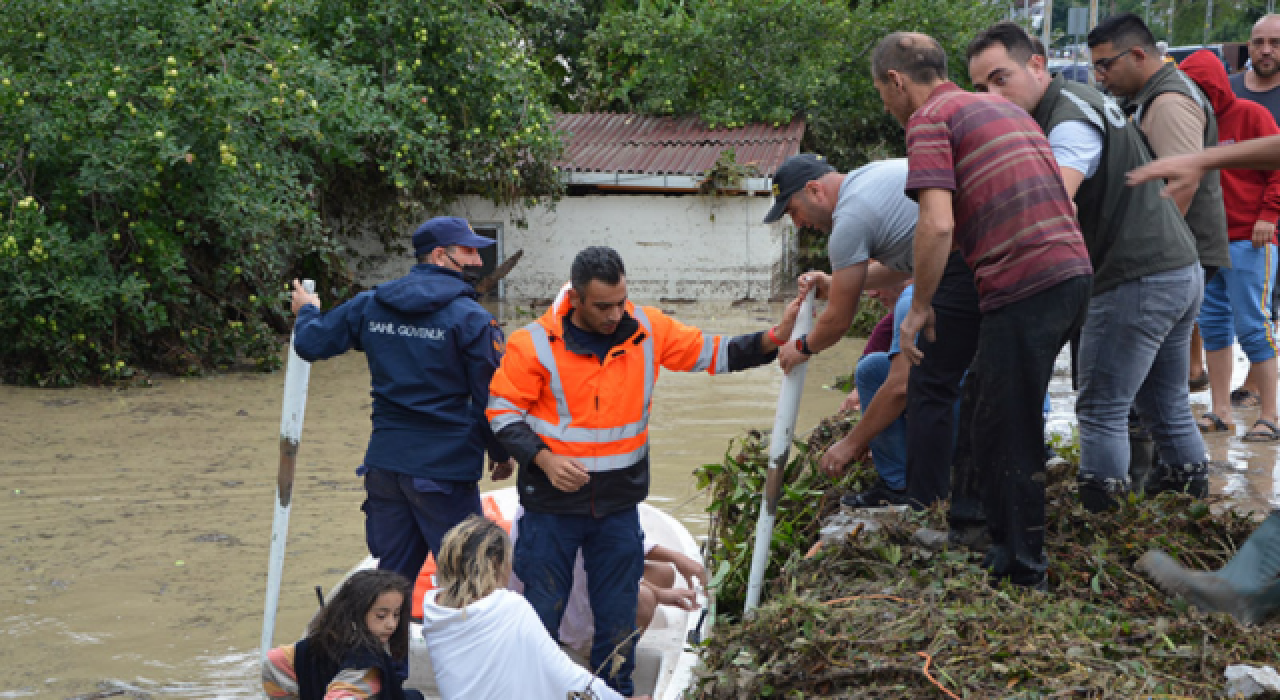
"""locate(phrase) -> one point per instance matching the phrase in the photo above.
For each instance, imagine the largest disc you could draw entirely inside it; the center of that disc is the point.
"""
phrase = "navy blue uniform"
(432, 349)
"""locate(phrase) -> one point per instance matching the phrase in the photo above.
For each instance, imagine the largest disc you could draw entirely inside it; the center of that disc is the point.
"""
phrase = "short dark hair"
(918, 56)
(426, 257)
(596, 263)
(1122, 31)
(1007, 34)
(1037, 47)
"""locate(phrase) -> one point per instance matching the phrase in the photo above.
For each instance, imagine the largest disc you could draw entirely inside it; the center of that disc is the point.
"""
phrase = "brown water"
(136, 523)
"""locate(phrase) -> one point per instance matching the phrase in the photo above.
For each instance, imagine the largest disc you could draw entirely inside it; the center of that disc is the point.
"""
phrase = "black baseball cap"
(791, 178)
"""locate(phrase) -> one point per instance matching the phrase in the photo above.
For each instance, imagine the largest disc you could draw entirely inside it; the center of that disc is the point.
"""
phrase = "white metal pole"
(1046, 26)
(784, 427)
(297, 374)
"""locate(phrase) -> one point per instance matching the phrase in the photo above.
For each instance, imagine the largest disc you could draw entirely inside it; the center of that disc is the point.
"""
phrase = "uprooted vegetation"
(876, 616)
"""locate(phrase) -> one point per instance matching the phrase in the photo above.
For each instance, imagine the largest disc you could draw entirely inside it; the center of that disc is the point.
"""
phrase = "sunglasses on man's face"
(1102, 65)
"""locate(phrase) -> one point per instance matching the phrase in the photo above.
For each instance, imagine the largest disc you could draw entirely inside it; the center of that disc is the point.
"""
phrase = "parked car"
(1078, 72)
(1233, 54)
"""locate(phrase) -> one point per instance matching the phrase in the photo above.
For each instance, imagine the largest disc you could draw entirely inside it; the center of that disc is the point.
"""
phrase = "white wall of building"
(676, 247)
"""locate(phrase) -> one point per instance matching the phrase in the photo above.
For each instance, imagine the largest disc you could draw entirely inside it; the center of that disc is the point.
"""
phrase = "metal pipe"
(784, 427)
(297, 375)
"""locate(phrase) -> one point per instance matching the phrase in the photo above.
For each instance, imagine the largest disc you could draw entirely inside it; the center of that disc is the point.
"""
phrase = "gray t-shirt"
(873, 218)
(1269, 99)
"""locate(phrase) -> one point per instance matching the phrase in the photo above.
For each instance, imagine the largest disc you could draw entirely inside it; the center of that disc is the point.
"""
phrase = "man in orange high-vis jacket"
(571, 402)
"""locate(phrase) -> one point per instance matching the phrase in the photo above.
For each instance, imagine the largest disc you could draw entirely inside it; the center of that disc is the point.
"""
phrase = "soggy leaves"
(867, 616)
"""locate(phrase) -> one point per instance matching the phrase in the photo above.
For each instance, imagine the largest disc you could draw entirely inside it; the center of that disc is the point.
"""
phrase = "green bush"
(740, 61)
(166, 166)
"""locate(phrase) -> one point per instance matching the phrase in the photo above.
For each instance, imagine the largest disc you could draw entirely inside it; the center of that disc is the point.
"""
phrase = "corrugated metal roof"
(602, 142)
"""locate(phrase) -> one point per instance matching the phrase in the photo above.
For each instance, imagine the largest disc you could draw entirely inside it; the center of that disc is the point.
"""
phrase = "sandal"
(1199, 383)
(1211, 423)
(1244, 398)
(1262, 431)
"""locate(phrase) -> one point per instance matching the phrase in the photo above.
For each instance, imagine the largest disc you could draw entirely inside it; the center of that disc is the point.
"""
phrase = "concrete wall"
(676, 247)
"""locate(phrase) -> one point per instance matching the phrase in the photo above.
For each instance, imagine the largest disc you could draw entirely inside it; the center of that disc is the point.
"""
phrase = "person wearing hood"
(432, 349)
(1236, 302)
(1248, 587)
(1146, 285)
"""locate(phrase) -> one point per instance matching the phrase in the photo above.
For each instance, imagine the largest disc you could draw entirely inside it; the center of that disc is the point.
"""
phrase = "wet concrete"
(135, 524)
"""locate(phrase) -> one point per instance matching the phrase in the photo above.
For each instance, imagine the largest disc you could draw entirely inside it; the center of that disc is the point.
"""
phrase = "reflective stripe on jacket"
(597, 412)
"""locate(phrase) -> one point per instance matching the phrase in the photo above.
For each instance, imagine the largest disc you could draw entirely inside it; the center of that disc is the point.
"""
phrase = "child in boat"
(486, 642)
(352, 646)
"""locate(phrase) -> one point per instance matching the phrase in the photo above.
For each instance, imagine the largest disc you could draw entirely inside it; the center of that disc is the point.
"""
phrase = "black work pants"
(1007, 383)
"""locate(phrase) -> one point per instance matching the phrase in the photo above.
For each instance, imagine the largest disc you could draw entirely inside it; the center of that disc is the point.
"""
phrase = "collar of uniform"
(627, 327)
(1131, 104)
(1044, 107)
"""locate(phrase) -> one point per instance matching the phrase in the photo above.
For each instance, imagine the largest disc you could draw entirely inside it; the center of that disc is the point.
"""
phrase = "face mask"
(470, 273)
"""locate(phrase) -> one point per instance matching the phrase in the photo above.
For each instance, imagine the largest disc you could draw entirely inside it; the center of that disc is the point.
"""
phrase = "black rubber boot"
(1246, 588)
(1101, 495)
(974, 538)
(1191, 479)
(1142, 458)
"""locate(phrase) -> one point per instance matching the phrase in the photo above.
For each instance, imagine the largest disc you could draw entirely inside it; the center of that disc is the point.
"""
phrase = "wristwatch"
(802, 344)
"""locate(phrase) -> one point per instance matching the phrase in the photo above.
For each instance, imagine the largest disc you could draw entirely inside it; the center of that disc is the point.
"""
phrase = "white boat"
(664, 657)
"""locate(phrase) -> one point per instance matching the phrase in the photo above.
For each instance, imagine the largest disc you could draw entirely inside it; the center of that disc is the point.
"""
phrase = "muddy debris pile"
(875, 615)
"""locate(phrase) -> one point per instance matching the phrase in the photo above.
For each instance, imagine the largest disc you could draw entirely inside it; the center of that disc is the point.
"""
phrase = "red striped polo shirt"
(1014, 223)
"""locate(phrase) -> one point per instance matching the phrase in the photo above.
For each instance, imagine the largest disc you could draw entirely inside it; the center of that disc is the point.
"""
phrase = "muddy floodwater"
(135, 524)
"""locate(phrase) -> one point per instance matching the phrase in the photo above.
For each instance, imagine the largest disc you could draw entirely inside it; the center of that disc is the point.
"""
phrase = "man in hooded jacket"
(432, 349)
(1237, 301)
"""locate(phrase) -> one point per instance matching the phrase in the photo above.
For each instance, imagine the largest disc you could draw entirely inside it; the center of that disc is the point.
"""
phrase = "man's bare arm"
(1183, 173)
(932, 247)
(880, 276)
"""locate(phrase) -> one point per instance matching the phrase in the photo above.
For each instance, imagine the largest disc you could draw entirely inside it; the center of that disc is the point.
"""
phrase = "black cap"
(791, 178)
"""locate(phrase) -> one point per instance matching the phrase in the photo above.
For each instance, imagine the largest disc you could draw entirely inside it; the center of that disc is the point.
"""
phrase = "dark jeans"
(613, 554)
(407, 517)
(1006, 387)
(934, 385)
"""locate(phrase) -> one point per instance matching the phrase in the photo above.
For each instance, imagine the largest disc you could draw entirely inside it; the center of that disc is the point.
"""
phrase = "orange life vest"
(427, 576)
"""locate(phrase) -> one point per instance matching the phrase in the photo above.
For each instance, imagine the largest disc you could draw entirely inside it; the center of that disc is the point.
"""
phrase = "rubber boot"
(1101, 495)
(1246, 588)
(1142, 458)
(1191, 479)
(974, 538)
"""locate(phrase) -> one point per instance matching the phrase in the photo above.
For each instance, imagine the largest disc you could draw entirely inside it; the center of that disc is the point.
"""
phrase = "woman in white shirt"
(486, 641)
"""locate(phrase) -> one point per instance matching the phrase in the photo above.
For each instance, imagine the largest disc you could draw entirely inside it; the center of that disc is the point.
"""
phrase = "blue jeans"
(1134, 351)
(889, 448)
(407, 517)
(613, 553)
(1236, 303)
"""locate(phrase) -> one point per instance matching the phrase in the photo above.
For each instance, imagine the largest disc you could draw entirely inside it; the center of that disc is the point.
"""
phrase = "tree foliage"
(166, 166)
(736, 61)
(1231, 21)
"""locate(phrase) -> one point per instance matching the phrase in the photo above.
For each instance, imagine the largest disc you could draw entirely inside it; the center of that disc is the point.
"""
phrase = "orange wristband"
(773, 336)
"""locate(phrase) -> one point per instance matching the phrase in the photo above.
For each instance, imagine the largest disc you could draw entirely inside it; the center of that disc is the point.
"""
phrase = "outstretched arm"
(842, 305)
(1183, 173)
(319, 335)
